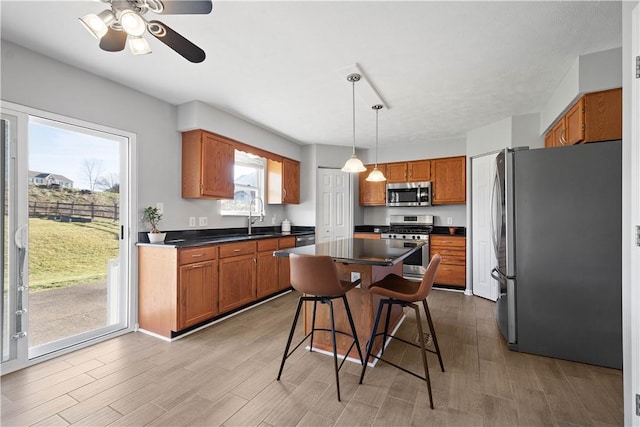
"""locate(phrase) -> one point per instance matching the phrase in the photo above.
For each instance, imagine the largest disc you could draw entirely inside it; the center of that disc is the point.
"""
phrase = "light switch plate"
(160, 207)
(202, 221)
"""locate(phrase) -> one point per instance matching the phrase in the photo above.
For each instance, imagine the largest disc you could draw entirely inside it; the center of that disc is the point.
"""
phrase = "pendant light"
(353, 165)
(376, 174)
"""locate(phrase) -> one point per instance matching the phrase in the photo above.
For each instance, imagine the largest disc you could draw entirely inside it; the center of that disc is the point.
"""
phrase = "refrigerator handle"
(494, 238)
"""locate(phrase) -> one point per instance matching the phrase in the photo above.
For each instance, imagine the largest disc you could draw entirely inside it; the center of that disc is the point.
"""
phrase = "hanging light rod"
(366, 90)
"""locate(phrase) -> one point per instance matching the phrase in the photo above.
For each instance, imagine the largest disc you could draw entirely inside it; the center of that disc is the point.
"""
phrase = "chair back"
(315, 275)
(428, 278)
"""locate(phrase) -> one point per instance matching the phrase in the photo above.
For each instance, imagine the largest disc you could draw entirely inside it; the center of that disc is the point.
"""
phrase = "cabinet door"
(548, 140)
(237, 284)
(197, 293)
(372, 193)
(603, 115)
(290, 182)
(267, 274)
(449, 180)
(559, 133)
(419, 171)
(574, 123)
(284, 276)
(397, 172)
(217, 167)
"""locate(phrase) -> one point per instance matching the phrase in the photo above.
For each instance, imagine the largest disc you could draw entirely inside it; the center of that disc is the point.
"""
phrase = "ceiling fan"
(124, 21)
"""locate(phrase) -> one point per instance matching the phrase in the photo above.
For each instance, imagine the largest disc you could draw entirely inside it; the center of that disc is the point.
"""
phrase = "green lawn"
(63, 254)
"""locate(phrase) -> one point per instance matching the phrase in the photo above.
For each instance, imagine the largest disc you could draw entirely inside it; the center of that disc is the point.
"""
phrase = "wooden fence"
(73, 209)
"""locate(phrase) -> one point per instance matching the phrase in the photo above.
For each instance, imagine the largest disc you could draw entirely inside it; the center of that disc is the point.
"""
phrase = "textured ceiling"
(444, 68)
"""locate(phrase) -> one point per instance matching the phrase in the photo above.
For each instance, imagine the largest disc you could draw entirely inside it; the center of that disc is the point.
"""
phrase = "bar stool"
(406, 293)
(316, 277)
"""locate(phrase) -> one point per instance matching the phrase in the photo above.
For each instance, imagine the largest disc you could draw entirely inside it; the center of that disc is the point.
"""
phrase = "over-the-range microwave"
(409, 194)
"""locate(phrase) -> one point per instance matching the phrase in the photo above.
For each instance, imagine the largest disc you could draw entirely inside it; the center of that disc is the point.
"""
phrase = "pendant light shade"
(353, 164)
(376, 174)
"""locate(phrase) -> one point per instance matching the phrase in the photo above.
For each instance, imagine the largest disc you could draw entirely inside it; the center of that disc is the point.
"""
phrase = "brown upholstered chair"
(397, 290)
(316, 277)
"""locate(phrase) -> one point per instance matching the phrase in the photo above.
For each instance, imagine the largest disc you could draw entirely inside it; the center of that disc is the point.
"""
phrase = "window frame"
(248, 160)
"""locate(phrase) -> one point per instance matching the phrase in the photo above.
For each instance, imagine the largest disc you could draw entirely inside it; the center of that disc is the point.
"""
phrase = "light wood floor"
(225, 375)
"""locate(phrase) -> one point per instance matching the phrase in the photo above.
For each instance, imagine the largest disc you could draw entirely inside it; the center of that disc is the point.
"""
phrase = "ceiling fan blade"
(175, 41)
(113, 41)
(192, 7)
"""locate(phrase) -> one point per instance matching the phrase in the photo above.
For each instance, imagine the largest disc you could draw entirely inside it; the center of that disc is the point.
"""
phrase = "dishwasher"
(305, 240)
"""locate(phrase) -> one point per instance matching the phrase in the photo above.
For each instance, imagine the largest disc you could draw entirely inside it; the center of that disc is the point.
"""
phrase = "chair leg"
(423, 352)
(433, 332)
(386, 327)
(353, 327)
(293, 329)
(372, 338)
(313, 324)
(335, 350)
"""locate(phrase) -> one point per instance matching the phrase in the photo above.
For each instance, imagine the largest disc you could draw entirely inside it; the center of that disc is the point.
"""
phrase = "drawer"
(191, 255)
(438, 240)
(453, 260)
(286, 242)
(240, 248)
(447, 251)
(267, 245)
(451, 275)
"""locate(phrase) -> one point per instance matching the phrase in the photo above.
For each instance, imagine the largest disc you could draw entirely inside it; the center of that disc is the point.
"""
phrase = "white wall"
(589, 73)
(399, 152)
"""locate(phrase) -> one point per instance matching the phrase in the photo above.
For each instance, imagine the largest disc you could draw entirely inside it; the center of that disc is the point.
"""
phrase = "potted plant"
(153, 216)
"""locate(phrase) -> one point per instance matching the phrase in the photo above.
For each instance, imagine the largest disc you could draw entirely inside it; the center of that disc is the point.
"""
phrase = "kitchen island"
(368, 260)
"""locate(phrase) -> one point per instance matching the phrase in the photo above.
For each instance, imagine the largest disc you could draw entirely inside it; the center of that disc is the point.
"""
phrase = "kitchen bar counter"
(357, 251)
(369, 260)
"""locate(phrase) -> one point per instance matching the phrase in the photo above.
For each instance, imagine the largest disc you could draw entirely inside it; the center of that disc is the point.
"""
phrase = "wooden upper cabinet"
(419, 170)
(207, 166)
(396, 172)
(596, 116)
(603, 115)
(372, 193)
(574, 124)
(283, 181)
(449, 180)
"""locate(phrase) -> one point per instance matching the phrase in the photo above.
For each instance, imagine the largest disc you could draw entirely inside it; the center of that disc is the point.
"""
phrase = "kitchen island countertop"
(357, 251)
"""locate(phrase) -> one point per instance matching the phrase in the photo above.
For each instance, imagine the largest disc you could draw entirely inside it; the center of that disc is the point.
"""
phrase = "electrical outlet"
(449, 221)
(355, 275)
(192, 221)
(202, 221)
(160, 207)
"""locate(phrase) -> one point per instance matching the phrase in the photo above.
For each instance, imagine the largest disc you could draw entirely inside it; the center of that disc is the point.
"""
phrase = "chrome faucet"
(252, 220)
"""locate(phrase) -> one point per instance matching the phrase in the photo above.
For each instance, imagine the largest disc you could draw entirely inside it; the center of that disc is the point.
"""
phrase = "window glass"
(249, 182)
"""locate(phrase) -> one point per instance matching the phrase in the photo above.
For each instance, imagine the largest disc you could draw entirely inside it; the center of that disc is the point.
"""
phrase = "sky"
(65, 152)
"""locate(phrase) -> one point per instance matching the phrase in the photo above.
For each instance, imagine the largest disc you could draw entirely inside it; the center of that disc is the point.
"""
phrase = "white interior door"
(484, 259)
(333, 217)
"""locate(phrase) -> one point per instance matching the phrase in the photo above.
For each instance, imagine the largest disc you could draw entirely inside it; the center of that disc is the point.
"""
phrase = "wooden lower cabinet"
(266, 268)
(284, 276)
(453, 268)
(197, 293)
(180, 288)
(237, 283)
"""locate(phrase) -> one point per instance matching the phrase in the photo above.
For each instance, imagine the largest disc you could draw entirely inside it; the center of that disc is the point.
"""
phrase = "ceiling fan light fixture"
(132, 23)
(353, 164)
(98, 25)
(138, 45)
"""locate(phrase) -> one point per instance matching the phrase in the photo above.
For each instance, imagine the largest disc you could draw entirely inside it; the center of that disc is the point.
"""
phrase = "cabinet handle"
(196, 255)
(237, 250)
(284, 193)
(193, 267)
(563, 141)
(255, 261)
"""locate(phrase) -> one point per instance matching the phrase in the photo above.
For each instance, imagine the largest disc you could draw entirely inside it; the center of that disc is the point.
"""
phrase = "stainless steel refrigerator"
(556, 222)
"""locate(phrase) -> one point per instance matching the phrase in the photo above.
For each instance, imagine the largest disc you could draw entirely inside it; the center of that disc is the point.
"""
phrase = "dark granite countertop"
(194, 238)
(358, 251)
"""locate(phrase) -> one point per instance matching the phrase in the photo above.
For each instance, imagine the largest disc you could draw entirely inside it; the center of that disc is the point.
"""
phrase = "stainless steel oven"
(409, 231)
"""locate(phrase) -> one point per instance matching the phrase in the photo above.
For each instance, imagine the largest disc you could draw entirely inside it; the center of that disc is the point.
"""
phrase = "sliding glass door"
(66, 252)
